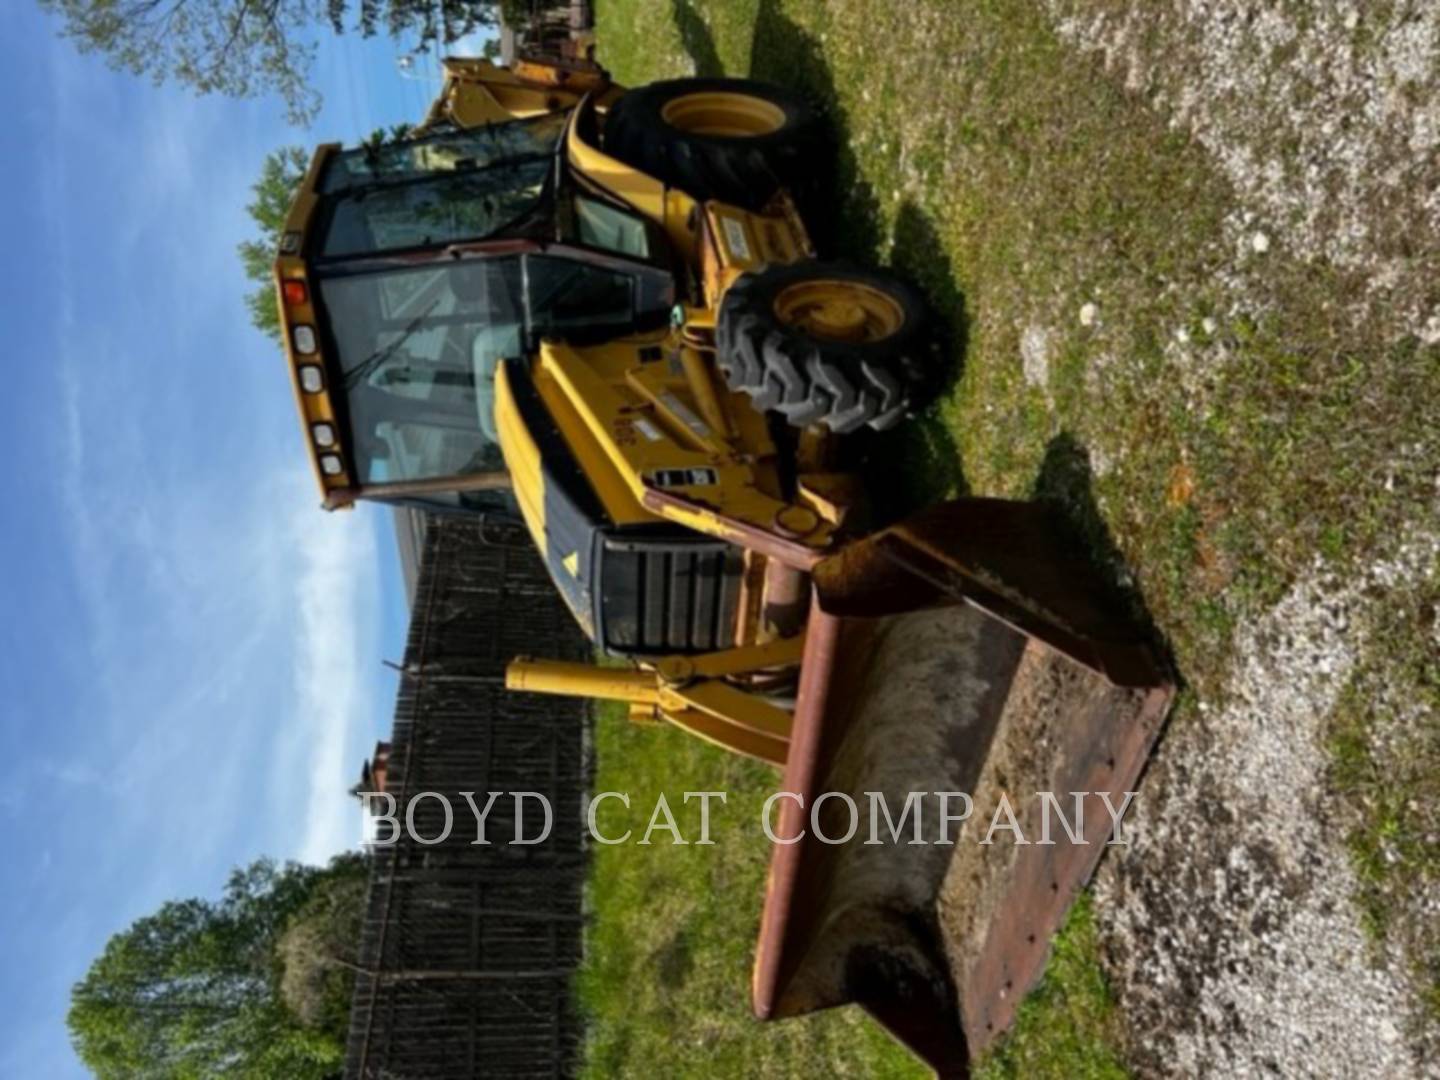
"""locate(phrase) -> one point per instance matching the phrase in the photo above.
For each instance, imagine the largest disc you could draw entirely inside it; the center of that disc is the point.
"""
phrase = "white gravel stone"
(1323, 117)
(1233, 944)
(1035, 356)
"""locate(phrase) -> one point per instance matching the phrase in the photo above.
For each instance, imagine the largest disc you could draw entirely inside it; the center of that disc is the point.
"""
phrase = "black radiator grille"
(663, 595)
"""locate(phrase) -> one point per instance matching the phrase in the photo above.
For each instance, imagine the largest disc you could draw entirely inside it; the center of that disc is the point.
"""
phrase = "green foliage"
(318, 951)
(192, 990)
(248, 48)
(382, 137)
(274, 191)
(672, 931)
(242, 48)
(1066, 1027)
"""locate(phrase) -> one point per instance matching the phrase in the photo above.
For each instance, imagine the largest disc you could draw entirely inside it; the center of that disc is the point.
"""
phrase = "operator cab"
(432, 260)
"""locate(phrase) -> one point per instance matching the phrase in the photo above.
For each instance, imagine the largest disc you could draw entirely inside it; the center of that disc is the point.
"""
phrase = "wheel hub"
(723, 114)
(835, 310)
(840, 318)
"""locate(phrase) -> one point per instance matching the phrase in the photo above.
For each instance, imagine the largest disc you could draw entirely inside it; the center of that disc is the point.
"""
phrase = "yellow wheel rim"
(834, 310)
(724, 114)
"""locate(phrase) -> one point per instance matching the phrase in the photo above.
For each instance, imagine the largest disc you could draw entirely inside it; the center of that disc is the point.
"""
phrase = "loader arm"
(690, 692)
(644, 427)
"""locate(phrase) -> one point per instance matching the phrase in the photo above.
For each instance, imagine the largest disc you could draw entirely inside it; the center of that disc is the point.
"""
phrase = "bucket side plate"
(960, 652)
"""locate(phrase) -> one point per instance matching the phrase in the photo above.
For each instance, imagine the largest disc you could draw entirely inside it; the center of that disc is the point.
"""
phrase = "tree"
(434, 23)
(280, 176)
(246, 48)
(318, 953)
(194, 989)
(243, 48)
(274, 191)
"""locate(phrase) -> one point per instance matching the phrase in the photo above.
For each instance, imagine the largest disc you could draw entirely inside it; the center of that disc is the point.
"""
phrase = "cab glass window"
(448, 151)
(419, 346)
(604, 226)
(447, 209)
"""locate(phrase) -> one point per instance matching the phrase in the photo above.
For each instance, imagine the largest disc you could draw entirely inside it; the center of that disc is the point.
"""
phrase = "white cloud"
(245, 699)
(228, 627)
(472, 44)
(333, 673)
(210, 663)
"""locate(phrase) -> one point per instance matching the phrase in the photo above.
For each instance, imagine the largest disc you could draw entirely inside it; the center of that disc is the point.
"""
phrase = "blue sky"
(191, 670)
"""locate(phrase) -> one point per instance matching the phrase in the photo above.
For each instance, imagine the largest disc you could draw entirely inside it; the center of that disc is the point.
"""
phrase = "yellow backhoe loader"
(598, 311)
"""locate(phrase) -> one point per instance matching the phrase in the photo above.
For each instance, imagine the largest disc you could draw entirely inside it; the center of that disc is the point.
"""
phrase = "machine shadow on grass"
(935, 467)
(697, 40)
(918, 463)
(1066, 484)
(842, 205)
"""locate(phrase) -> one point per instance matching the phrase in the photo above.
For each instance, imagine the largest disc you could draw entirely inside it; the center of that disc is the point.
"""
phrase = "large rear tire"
(735, 140)
(827, 343)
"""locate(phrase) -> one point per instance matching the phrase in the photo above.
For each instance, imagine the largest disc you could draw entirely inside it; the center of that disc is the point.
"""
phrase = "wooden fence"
(468, 951)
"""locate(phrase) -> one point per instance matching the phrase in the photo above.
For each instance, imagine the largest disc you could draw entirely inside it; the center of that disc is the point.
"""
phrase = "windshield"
(440, 210)
(451, 150)
(449, 187)
(418, 348)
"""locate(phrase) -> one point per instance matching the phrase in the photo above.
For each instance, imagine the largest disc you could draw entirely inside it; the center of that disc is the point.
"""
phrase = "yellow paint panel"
(314, 408)
(595, 402)
(620, 502)
(673, 210)
(522, 459)
(640, 190)
(737, 241)
(479, 92)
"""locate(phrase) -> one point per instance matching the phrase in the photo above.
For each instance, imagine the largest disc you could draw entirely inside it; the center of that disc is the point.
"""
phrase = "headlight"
(312, 379)
(324, 435)
(304, 339)
(331, 465)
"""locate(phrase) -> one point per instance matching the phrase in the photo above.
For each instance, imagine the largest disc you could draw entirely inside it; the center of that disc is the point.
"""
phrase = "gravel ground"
(1325, 118)
(1228, 926)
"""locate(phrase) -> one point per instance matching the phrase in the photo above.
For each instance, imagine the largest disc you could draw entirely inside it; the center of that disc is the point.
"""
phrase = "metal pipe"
(582, 680)
(786, 601)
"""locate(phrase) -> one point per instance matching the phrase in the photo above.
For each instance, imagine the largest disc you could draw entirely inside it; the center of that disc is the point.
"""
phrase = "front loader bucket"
(962, 651)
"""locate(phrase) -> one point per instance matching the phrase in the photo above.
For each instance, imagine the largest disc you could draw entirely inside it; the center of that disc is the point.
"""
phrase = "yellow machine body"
(720, 557)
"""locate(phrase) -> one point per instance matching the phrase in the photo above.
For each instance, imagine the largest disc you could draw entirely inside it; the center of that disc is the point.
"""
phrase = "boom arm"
(688, 691)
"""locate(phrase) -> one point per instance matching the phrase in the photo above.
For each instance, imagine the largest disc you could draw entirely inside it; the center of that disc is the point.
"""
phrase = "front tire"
(734, 140)
(827, 343)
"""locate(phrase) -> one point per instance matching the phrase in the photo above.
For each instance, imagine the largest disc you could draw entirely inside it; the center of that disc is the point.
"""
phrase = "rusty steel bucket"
(962, 651)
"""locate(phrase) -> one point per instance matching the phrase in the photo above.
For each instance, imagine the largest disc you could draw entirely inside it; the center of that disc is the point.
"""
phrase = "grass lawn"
(666, 976)
(665, 983)
(1217, 416)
